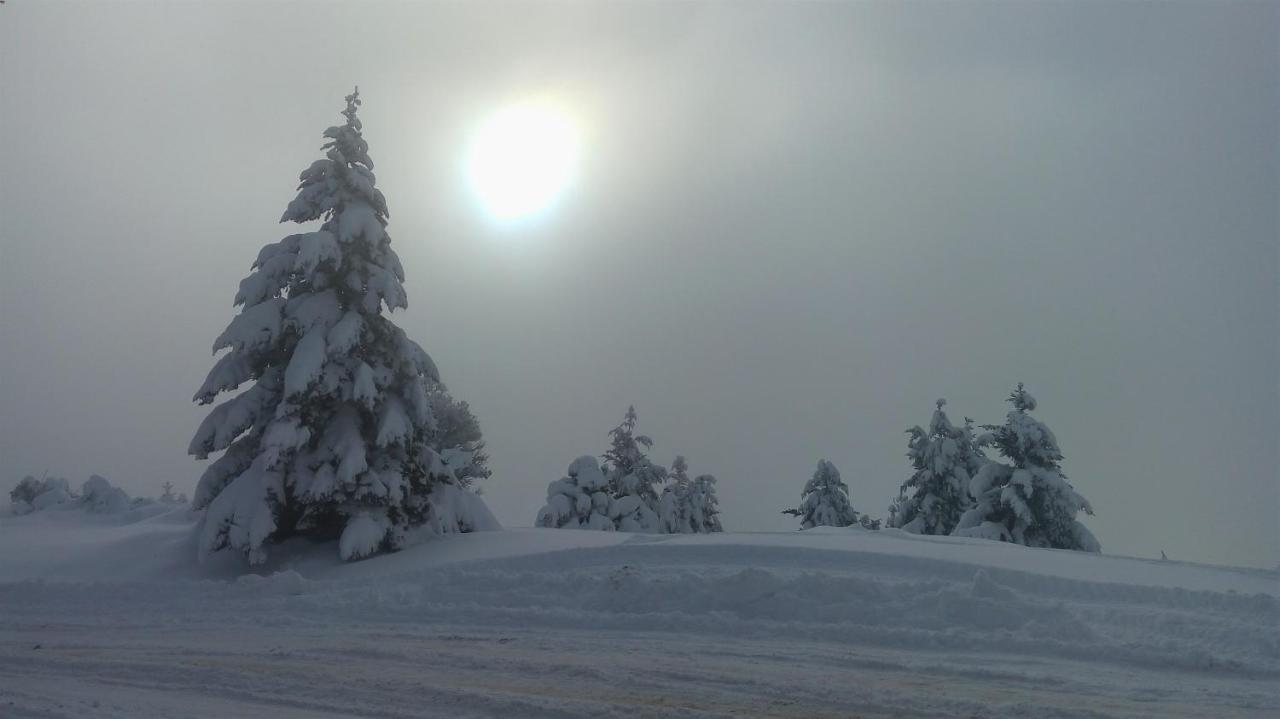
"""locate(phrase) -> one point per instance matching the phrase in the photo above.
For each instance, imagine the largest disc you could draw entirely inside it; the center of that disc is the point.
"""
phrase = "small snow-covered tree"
(895, 508)
(580, 500)
(1027, 500)
(825, 500)
(633, 478)
(169, 496)
(704, 506)
(674, 505)
(689, 506)
(336, 437)
(945, 459)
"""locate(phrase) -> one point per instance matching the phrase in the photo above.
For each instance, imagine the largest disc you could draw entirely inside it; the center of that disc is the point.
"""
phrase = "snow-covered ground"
(109, 616)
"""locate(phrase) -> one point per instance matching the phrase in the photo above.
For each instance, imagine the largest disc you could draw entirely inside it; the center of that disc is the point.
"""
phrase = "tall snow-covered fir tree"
(337, 437)
(1028, 500)
(633, 478)
(825, 500)
(945, 459)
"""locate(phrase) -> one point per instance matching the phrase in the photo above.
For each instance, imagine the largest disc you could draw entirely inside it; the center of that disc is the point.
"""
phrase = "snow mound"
(726, 622)
(286, 583)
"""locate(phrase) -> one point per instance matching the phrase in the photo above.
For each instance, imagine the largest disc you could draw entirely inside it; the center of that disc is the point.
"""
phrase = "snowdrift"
(543, 622)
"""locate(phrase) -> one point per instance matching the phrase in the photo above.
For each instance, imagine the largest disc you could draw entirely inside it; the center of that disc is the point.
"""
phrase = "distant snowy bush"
(33, 494)
(97, 495)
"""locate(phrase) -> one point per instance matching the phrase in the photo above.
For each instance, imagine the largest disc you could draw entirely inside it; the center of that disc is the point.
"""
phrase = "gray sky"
(793, 227)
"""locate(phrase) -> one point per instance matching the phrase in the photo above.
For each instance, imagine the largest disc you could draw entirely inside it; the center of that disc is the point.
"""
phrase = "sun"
(521, 159)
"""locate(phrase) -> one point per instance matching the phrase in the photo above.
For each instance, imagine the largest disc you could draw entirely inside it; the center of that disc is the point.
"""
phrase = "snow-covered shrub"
(580, 500)
(337, 437)
(455, 509)
(1028, 500)
(100, 496)
(825, 500)
(33, 494)
(945, 459)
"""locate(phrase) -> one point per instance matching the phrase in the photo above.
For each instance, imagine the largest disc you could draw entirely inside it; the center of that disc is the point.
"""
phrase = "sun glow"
(521, 160)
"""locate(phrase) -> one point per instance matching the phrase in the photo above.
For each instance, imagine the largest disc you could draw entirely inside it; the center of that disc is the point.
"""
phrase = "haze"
(794, 226)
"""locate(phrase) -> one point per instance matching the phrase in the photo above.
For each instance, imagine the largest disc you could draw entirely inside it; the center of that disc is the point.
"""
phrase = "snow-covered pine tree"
(674, 505)
(945, 459)
(825, 500)
(704, 506)
(1029, 500)
(580, 500)
(633, 478)
(336, 438)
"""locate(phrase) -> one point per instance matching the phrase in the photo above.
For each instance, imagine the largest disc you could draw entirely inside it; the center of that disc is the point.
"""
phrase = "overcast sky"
(793, 227)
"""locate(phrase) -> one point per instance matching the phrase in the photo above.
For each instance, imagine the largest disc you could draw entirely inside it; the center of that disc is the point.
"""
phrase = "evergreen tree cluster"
(631, 493)
(956, 489)
(337, 426)
(1022, 497)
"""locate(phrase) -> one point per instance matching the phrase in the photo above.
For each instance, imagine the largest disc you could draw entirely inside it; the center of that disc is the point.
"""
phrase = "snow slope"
(107, 616)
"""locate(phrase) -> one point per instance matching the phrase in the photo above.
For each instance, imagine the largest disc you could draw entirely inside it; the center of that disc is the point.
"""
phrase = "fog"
(793, 227)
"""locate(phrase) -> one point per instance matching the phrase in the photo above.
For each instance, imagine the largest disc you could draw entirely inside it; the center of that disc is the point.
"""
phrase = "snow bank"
(773, 612)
